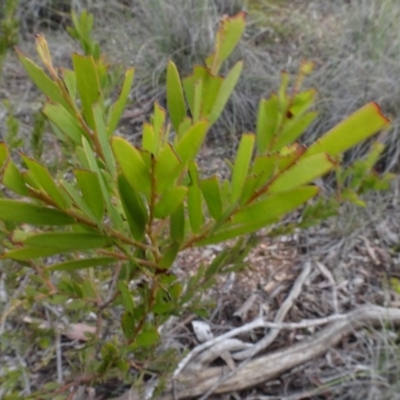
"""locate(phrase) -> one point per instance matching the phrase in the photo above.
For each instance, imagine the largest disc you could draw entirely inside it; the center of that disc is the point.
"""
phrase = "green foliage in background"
(124, 213)
(9, 28)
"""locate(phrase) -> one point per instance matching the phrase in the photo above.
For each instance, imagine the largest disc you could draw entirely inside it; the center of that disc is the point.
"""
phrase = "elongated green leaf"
(29, 253)
(148, 139)
(242, 164)
(126, 295)
(197, 104)
(228, 36)
(43, 82)
(289, 156)
(184, 127)
(134, 209)
(267, 123)
(249, 187)
(75, 265)
(69, 240)
(158, 120)
(13, 180)
(362, 124)
(43, 177)
(170, 201)
(195, 205)
(264, 166)
(4, 154)
(77, 199)
(118, 107)
(128, 325)
(227, 87)
(283, 97)
(113, 213)
(28, 213)
(132, 165)
(168, 256)
(212, 195)
(274, 205)
(87, 83)
(211, 86)
(235, 231)
(69, 79)
(189, 84)
(293, 129)
(302, 101)
(190, 143)
(167, 169)
(175, 99)
(305, 171)
(148, 337)
(177, 224)
(90, 188)
(258, 221)
(104, 140)
(62, 119)
(30, 180)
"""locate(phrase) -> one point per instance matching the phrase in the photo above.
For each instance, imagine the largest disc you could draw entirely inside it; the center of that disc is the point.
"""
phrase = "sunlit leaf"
(362, 124)
(190, 142)
(241, 166)
(212, 195)
(132, 165)
(304, 171)
(118, 107)
(87, 83)
(90, 188)
(225, 92)
(175, 99)
(267, 123)
(170, 201)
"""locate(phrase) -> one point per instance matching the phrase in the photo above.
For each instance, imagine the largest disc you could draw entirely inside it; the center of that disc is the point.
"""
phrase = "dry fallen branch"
(270, 366)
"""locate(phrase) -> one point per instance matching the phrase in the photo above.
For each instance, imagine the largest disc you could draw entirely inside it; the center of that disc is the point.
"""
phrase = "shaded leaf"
(69, 241)
(194, 201)
(28, 253)
(82, 264)
(22, 212)
(362, 124)
(127, 298)
(134, 208)
(44, 179)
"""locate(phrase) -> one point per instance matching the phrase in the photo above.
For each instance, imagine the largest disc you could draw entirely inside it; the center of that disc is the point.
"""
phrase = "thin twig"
(280, 316)
(59, 357)
(328, 274)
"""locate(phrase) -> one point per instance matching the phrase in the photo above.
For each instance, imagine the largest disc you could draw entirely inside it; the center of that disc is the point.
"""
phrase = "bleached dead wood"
(195, 383)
